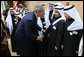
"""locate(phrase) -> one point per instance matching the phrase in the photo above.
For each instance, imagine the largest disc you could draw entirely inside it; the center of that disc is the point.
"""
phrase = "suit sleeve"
(39, 28)
(28, 30)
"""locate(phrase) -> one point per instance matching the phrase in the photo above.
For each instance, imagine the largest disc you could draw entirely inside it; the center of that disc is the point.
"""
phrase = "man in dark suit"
(26, 32)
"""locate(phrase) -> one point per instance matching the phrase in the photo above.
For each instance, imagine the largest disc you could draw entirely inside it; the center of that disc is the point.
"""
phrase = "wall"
(78, 5)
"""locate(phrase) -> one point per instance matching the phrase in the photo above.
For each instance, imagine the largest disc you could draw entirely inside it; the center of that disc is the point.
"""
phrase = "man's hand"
(40, 37)
(56, 48)
(15, 22)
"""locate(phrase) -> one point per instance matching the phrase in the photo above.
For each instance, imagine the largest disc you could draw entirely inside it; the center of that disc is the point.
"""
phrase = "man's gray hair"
(38, 7)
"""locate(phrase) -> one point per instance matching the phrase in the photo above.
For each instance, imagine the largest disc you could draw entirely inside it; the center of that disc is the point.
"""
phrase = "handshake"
(40, 37)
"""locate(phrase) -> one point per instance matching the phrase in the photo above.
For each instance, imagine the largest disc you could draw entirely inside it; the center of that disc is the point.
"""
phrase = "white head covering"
(51, 4)
(19, 15)
(58, 4)
(72, 12)
(24, 11)
(20, 4)
(48, 10)
(60, 9)
(9, 21)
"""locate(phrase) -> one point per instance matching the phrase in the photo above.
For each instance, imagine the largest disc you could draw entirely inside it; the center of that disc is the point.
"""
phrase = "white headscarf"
(48, 10)
(19, 15)
(25, 12)
(9, 21)
(20, 9)
(58, 4)
(60, 9)
(72, 12)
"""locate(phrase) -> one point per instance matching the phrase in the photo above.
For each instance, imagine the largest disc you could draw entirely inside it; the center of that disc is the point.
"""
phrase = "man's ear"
(39, 12)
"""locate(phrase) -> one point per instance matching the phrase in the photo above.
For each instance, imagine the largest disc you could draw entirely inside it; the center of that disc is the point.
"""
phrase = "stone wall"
(78, 5)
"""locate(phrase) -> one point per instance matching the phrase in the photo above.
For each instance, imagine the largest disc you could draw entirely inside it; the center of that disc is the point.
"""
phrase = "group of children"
(62, 30)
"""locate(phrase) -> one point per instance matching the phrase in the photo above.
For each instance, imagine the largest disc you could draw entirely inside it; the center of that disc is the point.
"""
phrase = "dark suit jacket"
(26, 32)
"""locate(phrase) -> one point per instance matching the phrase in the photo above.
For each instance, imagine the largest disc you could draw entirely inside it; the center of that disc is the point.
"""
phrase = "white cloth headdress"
(9, 21)
(48, 10)
(58, 4)
(72, 12)
(19, 15)
(61, 11)
(24, 11)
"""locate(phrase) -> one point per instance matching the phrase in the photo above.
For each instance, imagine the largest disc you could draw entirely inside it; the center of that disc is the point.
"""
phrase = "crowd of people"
(53, 31)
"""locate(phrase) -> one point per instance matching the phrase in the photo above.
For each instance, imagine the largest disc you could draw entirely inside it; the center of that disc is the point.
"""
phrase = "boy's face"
(51, 8)
(57, 14)
(11, 12)
(67, 16)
